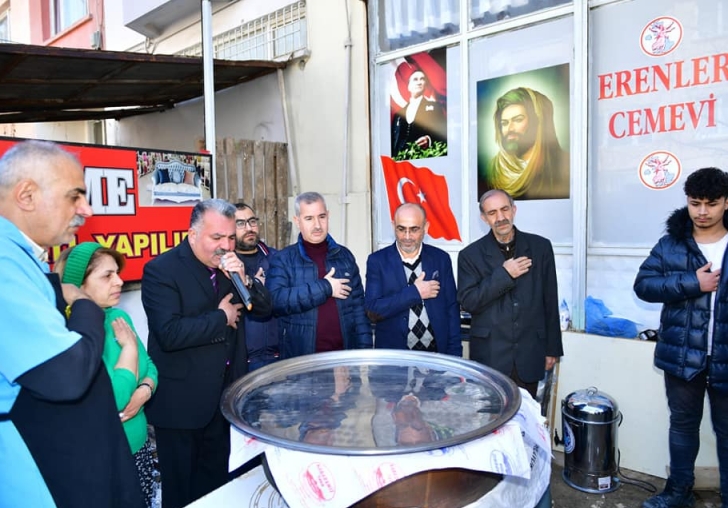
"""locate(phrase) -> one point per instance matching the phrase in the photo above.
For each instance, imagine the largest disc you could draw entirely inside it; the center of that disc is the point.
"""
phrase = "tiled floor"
(626, 496)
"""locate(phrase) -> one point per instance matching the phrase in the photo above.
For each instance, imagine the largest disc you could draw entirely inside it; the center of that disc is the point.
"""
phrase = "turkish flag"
(409, 184)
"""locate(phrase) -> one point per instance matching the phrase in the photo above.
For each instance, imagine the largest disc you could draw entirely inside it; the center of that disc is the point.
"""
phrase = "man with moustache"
(507, 282)
(261, 333)
(685, 273)
(410, 293)
(316, 288)
(62, 443)
(194, 339)
(530, 163)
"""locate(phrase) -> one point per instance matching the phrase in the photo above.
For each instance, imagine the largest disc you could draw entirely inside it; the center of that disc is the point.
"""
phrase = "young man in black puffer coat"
(684, 272)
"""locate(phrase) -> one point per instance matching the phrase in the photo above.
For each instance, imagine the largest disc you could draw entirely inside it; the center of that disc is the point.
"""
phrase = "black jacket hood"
(678, 225)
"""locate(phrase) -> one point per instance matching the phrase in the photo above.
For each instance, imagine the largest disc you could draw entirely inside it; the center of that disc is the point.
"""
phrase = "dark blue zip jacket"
(668, 276)
(297, 292)
(261, 333)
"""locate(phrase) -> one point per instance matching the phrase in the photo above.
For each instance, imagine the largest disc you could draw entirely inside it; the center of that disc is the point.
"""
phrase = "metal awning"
(50, 84)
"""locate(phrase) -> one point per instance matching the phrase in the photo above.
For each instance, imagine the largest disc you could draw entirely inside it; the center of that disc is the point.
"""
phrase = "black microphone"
(242, 290)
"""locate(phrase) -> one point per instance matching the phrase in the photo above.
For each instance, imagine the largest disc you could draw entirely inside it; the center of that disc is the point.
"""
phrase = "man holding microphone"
(193, 316)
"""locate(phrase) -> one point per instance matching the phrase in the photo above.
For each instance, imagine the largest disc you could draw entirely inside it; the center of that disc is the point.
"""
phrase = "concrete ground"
(626, 496)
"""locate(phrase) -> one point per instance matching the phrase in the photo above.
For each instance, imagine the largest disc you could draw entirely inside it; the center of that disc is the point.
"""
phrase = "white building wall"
(19, 17)
(317, 107)
(317, 104)
(117, 37)
(252, 110)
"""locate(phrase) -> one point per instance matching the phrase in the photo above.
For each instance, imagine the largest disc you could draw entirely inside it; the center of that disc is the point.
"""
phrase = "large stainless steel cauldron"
(377, 402)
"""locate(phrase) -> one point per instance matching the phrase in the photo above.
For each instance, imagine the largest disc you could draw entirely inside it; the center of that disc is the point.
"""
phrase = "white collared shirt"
(412, 107)
(39, 252)
(410, 259)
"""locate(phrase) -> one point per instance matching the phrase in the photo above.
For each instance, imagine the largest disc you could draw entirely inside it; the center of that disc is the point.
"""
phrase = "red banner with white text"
(141, 198)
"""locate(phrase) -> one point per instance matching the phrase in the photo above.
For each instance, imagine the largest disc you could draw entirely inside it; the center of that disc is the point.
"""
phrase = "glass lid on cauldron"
(371, 402)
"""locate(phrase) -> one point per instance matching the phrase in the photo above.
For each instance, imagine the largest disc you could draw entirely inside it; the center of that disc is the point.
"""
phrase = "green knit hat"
(77, 262)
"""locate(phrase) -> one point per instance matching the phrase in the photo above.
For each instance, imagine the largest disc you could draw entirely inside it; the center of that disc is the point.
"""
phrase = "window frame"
(61, 12)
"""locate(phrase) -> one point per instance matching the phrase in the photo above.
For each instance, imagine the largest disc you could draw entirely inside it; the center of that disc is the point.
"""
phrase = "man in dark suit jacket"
(193, 336)
(410, 291)
(507, 281)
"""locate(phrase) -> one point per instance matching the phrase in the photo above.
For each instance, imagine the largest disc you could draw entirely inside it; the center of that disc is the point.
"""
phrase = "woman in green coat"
(95, 269)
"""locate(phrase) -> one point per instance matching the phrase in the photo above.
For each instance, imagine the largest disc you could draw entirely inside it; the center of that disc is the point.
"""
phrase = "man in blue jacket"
(410, 292)
(316, 288)
(684, 272)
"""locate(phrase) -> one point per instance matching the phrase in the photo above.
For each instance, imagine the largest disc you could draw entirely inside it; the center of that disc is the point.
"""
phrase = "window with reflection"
(67, 12)
(4, 27)
(484, 12)
(403, 23)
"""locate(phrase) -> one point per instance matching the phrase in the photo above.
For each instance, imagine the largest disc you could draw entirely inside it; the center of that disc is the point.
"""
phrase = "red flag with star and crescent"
(409, 184)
